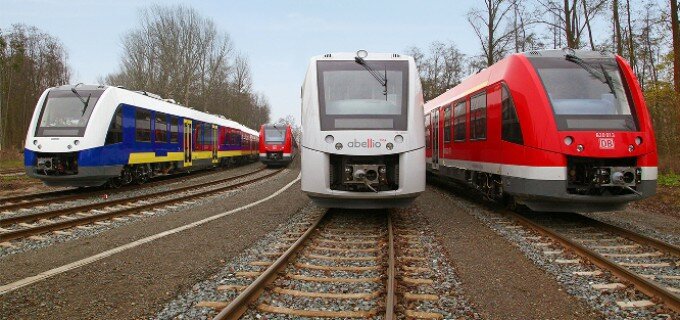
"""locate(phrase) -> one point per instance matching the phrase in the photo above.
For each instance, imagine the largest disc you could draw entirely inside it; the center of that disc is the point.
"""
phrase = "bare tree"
(571, 19)
(180, 54)
(488, 26)
(441, 69)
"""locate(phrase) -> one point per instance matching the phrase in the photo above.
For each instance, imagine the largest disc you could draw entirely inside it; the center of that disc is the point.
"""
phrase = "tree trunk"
(676, 44)
(631, 46)
(491, 11)
(617, 28)
(590, 31)
(567, 25)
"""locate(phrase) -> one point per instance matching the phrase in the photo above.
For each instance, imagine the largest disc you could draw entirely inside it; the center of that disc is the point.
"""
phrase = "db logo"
(606, 143)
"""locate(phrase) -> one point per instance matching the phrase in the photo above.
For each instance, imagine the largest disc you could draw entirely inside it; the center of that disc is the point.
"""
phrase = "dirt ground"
(21, 184)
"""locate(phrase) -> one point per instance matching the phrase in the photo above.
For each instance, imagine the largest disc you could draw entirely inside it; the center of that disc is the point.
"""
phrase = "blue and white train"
(363, 144)
(90, 135)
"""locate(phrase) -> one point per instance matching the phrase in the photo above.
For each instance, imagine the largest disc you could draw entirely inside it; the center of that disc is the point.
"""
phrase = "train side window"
(115, 133)
(511, 131)
(459, 121)
(210, 138)
(447, 124)
(143, 125)
(174, 129)
(161, 129)
(427, 131)
(478, 117)
(198, 130)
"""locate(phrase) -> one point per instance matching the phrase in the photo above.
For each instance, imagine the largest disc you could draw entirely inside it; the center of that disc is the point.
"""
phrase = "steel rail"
(65, 211)
(12, 171)
(389, 303)
(648, 287)
(660, 245)
(235, 309)
(21, 233)
(74, 194)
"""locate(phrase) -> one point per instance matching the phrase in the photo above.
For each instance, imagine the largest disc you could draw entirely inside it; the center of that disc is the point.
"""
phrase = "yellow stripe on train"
(151, 157)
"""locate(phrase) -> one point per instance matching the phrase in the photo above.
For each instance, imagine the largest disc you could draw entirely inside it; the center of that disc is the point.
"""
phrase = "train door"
(188, 142)
(215, 145)
(435, 139)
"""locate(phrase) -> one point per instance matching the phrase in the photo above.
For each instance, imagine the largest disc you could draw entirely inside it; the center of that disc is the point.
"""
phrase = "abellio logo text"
(369, 143)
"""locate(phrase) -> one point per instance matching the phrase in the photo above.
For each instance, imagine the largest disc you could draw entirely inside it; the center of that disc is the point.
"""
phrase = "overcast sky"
(277, 36)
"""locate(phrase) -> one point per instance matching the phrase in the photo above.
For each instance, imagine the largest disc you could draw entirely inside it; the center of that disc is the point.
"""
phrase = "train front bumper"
(316, 182)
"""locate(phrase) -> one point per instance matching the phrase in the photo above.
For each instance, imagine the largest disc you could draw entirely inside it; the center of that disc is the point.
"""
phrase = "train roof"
(156, 103)
(369, 56)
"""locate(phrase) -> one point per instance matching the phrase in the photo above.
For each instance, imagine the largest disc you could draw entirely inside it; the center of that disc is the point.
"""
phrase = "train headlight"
(389, 146)
(398, 138)
(338, 146)
(568, 140)
(329, 139)
(362, 54)
(631, 148)
(76, 142)
(40, 146)
(35, 142)
(579, 148)
(638, 140)
(69, 147)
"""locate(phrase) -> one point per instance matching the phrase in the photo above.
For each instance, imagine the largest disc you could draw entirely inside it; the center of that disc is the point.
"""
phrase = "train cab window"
(143, 125)
(447, 124)
(459, 121)
(587, 93)
(174, 129)
(115, 133)
(161, 128)
(511, 131)
(478, 117)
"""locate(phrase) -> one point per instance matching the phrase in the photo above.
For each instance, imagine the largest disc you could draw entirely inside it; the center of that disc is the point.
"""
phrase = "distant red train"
(554, 130)
(277, 144)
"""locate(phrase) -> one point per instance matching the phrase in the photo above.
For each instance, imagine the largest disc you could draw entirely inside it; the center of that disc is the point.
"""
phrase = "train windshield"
(586, 94)
(274, 134)
(352, 98)
(65, 113)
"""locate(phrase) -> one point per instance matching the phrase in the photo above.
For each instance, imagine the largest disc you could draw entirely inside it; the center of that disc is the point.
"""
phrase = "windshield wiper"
(603, 76)
(382, 80)
(608, 80)
(85, 102)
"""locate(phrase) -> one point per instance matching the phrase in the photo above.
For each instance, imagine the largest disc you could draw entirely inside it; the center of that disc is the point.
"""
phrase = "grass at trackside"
(11, 164)
(11, 159)
(669, 179)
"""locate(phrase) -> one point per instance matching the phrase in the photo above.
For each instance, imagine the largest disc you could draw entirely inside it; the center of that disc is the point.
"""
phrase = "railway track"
(12, 172)
(22, 226)
(336, 265)
(38, 199)
(650, 265)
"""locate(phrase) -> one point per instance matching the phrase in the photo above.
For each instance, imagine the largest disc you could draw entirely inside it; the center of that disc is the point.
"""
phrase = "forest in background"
(177, 53)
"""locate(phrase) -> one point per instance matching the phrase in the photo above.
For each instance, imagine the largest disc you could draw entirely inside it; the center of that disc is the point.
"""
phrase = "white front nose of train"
(363, 143)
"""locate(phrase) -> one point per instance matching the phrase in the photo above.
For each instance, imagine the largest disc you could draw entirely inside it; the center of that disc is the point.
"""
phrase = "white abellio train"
(363, 144)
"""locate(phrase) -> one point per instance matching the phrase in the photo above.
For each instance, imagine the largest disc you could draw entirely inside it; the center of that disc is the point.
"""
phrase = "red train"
(554, 130)
(277, 144)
